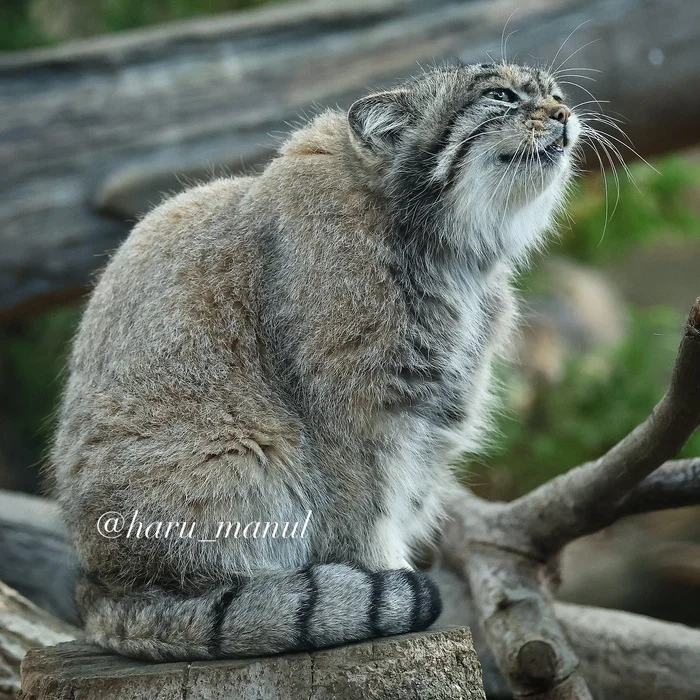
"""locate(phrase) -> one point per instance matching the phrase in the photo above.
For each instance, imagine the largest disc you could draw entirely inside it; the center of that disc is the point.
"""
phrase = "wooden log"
(435, 665)
(36, 558)
(92, 134)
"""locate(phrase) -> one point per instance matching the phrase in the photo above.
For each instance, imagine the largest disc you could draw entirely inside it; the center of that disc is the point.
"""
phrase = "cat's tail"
(271, 612)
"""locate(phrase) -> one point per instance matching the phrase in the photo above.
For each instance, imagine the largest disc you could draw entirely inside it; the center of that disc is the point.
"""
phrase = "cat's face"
(490, 136)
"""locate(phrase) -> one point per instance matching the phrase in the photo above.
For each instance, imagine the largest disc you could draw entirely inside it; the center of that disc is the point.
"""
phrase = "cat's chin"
(551, 154)
(532, 181)
(531, 176)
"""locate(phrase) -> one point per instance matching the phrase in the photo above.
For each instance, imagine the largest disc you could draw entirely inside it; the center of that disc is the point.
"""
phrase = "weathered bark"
(436, 665)
(23, 626)
(93, 134)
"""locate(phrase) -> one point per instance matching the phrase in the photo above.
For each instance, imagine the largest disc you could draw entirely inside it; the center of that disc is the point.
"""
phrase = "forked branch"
(580, 502)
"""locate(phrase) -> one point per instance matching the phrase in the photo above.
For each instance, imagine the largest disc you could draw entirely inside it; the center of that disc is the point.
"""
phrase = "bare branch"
(521, 629)
(511, 600)
(676, 484)
(580, 501)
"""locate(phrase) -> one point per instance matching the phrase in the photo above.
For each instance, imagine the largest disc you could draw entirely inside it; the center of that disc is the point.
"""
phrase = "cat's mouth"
(545, 155)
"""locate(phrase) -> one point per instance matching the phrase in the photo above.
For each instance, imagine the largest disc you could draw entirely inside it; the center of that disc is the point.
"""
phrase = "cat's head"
(481, 144)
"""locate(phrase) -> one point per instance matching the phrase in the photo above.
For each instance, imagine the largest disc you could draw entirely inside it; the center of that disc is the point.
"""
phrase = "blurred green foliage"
(655, 201)
(17, 31)
(19, 28)
(34, 359)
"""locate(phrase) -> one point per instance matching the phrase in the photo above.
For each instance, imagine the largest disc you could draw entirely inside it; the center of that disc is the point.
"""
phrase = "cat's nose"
(561, 113)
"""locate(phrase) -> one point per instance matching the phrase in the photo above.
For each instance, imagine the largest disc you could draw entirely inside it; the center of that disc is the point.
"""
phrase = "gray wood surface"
(435, 665)
(36, 558)
(93, 134)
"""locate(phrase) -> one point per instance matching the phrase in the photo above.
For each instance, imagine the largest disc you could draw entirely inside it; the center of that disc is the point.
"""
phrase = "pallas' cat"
(318, 337)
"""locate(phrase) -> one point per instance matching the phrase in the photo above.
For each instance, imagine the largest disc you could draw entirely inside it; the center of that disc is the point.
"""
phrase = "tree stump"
(433, 665)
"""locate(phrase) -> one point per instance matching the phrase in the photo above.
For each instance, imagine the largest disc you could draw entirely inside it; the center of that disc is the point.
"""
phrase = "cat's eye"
(558, 98)
(501, 95)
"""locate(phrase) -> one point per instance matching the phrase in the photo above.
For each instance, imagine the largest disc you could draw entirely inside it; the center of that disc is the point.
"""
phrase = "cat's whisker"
(601, 114)
(622, 118)
(583, 89)
(605, 187)
(588, 102)
(556, 55)
(615, 175)
(607, 144)
(636, 153)
(580, 48)
(588, 117)
(603, 137)
(605, 141)
(576, 75)
(531, 157)
(504, 42)
(555, 74)
(515, 31)
(600, 138)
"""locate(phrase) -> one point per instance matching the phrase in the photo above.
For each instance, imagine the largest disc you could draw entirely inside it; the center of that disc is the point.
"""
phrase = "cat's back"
(193, 270)
(162, 292)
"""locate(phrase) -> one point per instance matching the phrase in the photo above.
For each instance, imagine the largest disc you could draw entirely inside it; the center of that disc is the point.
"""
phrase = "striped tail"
(272, 612)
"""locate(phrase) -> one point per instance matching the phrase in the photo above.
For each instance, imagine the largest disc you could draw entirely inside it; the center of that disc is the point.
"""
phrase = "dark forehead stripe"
(545, 81)
(449, 127)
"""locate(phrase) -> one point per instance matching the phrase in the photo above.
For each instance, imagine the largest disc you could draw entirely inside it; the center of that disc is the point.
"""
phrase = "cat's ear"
(379, 120)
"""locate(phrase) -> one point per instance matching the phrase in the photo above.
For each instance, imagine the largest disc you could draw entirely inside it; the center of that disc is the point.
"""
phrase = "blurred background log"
(94, 133)
(36, 558)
